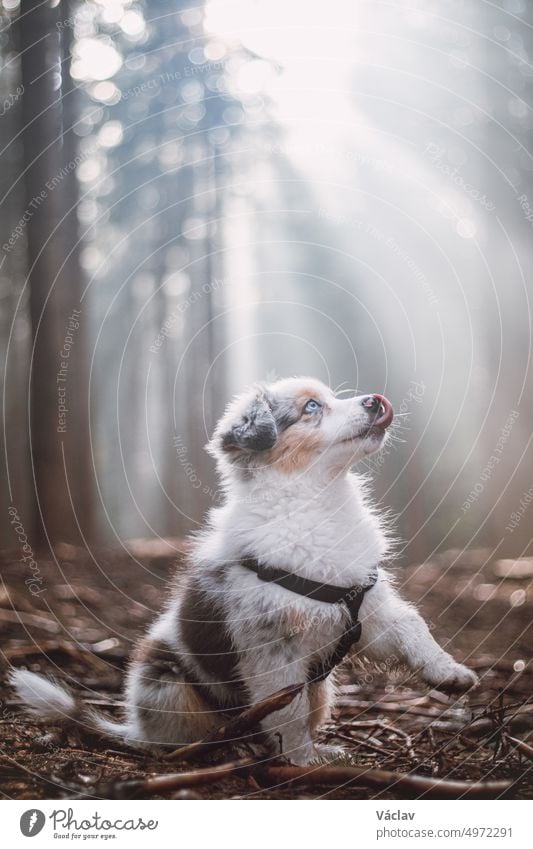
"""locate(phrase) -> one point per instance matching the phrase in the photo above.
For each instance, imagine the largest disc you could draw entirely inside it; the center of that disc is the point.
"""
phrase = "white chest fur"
(324, 531)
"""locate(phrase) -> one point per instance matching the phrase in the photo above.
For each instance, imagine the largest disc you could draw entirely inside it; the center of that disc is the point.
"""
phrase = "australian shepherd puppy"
(227, 638)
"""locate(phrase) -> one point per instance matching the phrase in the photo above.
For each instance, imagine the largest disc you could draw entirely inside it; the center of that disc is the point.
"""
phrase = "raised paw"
(303, 755)
(450, 677)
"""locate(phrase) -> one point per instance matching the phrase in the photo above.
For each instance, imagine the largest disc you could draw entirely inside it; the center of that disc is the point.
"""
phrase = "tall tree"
(71, 284)
(54, 427)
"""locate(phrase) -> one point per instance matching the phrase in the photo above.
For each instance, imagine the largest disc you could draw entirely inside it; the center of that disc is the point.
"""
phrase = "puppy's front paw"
(450, 677)
(303, 755)
(327, 752)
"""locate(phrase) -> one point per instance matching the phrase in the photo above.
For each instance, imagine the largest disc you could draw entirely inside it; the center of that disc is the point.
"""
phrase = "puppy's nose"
(380, 407)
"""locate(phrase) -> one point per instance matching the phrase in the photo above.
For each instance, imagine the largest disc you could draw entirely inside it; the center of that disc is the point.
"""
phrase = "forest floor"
(90, 608)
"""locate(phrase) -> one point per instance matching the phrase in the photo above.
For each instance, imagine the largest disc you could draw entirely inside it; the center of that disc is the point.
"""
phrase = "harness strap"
(352, 597)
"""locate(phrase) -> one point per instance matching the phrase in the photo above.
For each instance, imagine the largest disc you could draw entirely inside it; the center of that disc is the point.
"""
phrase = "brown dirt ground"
(82, 625)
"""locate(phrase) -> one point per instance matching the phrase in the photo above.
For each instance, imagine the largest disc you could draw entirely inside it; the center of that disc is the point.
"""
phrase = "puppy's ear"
(248, 425)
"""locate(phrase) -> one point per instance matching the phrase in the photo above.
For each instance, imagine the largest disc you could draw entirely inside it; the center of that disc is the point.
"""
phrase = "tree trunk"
(54, 426)
(71, 283)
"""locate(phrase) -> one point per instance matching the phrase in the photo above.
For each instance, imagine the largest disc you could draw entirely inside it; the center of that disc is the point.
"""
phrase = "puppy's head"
(296, 424)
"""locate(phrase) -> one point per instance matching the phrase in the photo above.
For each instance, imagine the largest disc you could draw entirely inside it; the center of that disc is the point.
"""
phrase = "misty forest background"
(197, 197)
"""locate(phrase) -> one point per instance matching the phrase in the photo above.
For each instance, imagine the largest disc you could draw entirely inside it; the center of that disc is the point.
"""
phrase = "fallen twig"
(356, 742)
(389, 707)
(48, 647)
(522, 747)
(141, 788)
(240, 727)
(355, 725)
(439, 788)
(484, 725)
(338, 776)
(19, 617)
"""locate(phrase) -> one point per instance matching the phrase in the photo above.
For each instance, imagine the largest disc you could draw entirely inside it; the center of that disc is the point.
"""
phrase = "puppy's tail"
(49, 701)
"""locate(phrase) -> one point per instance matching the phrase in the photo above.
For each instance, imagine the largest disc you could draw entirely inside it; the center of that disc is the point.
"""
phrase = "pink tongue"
(386, 414)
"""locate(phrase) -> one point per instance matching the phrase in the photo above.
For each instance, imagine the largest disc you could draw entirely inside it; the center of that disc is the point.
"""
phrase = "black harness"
(352, 597)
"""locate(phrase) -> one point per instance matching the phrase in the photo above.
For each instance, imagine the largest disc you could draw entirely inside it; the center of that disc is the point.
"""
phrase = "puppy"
(263, 604)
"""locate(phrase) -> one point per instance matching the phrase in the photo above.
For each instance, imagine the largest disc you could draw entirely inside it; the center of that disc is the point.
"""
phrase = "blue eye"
(312, 406)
